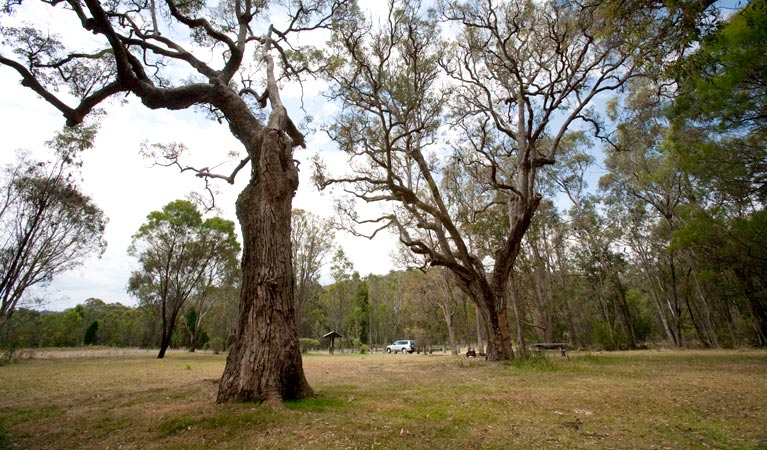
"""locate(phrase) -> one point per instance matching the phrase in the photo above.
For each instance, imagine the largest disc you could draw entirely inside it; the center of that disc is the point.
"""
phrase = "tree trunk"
(518, 316)
(624, 309)
(495, 318)
(700, 330)
(193, 342)
(167, 333)
(675, 306)
(543, 292)
(164, 344)
(756, 304)
(480, 321)
(712, 332)
(448, 314)
(657, 294)
(264, 363)
(448, 306)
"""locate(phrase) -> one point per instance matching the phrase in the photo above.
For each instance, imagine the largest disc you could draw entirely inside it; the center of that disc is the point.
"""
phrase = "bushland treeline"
(578, 301)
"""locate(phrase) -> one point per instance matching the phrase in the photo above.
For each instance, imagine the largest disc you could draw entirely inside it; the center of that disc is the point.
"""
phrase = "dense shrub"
(90, 333)
(308, 344)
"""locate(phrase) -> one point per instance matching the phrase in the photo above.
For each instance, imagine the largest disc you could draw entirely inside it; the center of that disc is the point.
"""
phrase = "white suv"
(401, 346)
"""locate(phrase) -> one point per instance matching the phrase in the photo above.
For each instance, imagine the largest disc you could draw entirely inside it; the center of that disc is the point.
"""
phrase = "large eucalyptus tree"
(499, 96)
(221, 56)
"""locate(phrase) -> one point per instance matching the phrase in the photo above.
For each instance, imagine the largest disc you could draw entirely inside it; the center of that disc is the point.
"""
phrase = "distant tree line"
(97, 323)
(574, 300)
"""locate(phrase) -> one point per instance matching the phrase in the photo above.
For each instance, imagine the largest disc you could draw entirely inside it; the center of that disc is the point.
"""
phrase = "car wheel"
(388, 350)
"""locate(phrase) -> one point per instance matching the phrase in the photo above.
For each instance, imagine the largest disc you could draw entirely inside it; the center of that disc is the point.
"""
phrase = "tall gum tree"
(531, 72)
(47, 226)
(180, 258)
(176, 55)
(312, 242)
(499, 97)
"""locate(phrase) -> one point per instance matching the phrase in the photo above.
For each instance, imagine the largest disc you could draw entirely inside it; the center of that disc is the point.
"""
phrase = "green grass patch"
(537, 361)
(317, 404)
(6, 443)
(31, 414)
(177, 425)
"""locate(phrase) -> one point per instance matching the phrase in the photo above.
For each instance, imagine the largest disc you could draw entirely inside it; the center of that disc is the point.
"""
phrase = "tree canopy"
(181, 256)
(47, 226)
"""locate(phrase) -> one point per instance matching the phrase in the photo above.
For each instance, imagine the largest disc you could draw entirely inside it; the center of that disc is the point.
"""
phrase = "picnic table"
(540, 346)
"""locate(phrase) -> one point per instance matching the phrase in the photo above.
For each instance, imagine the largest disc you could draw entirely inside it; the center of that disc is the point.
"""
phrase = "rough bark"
(492, 310)
(264, 363)
(164, 344)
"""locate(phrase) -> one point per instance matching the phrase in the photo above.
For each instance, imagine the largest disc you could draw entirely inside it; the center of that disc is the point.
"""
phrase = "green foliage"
(719, 135)
(216, 344)
(723, 81)
(118, 326)
(182, 258)
(191, 320)
(90, 333)
(179, 215)
(608, 338)
(361, 309)
(309, 344)
(47, 226)
(641, 306)
(720, 126)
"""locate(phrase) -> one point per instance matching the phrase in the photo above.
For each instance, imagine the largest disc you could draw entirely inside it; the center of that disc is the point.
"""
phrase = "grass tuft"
(317, 404)
(537, 361)
(177, 425)
(5, 441)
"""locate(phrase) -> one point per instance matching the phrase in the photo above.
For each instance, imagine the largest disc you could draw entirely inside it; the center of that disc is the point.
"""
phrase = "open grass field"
(638, 400)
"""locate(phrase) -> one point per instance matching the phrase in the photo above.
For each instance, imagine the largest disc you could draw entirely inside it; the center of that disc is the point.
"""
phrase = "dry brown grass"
(675, 400)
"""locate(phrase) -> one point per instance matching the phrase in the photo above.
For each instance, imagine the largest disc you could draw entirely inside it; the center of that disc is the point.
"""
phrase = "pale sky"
(127, 187)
